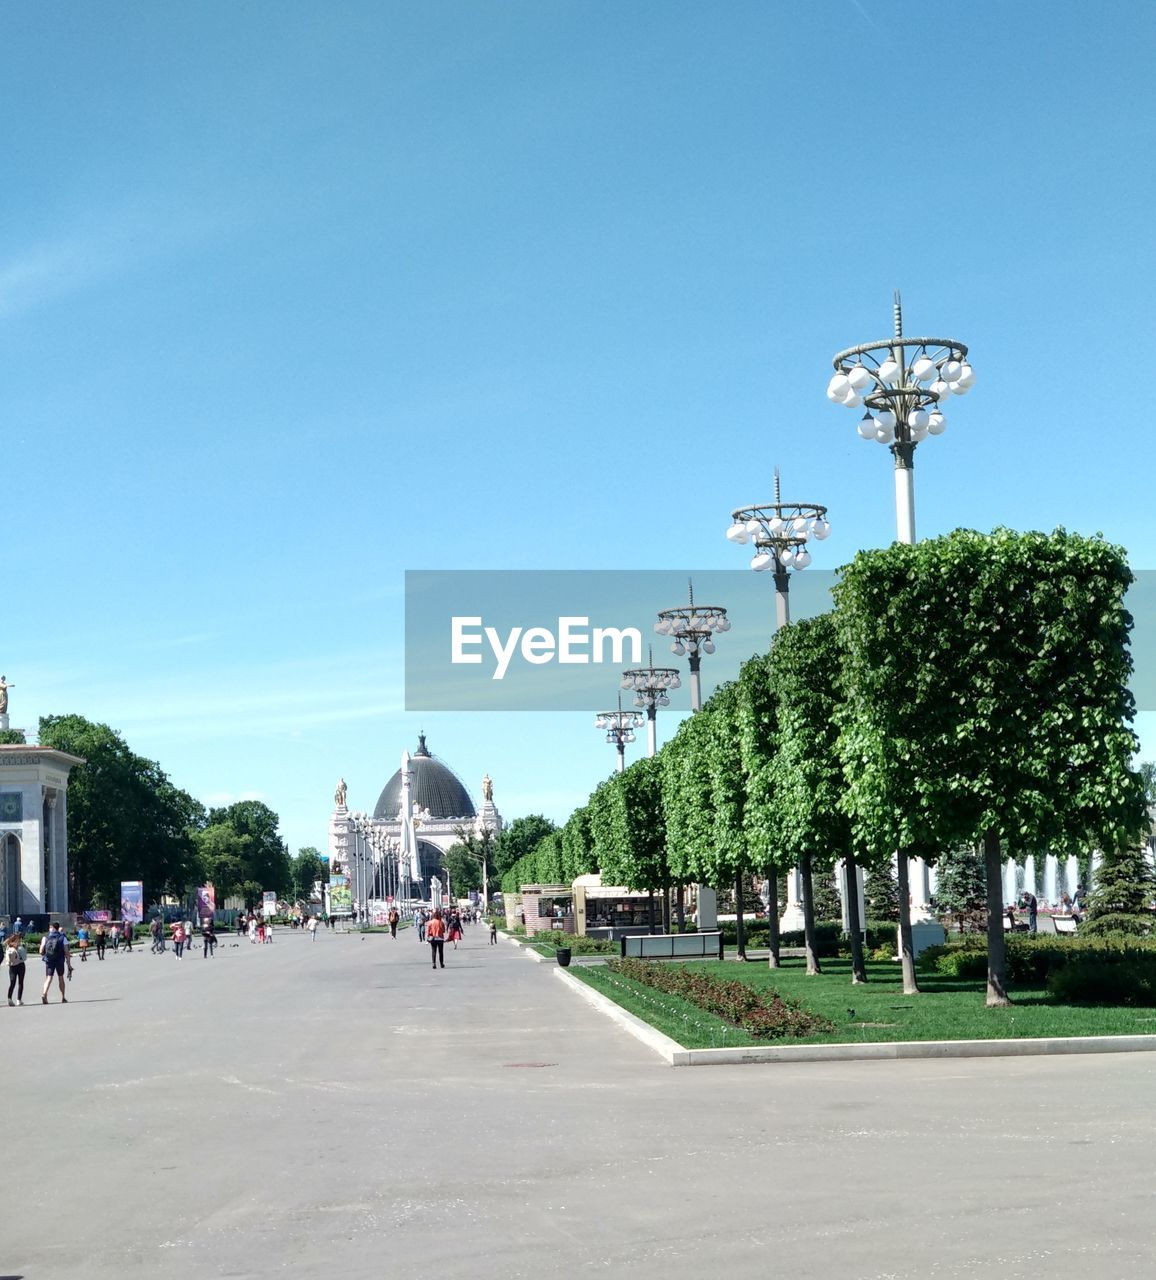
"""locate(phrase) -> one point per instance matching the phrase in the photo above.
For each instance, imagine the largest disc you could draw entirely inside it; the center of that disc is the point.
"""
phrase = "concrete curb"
(881, 1051)
(662, 1044)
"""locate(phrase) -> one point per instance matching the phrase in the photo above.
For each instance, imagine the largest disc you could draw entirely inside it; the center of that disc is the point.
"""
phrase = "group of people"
(1070, 905)
(439, 927)
(54, 951)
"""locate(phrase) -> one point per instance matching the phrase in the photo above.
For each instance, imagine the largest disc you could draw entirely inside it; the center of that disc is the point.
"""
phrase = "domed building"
(421, 808)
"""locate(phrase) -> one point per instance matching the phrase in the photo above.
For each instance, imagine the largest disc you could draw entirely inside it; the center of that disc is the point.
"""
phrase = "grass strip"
(946, 1009)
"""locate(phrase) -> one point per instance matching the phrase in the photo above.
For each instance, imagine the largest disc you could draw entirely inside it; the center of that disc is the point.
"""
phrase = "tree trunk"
(854, 924)
(813, 965)
(680, 907)
(650, 908)
(906, 950)
(740, 927)
(773, 917)
(666, 908)
(996, 946)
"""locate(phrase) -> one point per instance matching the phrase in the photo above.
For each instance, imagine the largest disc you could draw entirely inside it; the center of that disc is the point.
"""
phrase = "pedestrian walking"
(157, 933)
(393, 920)
(493, 933)
(15, 955)
(54, 949)
(129, 934)
(421, 919)
(312, 927)
(435, 932)
(82, 941)
(100, 937)
(114, 935)
(178, 940)
(455, 929)
(252, 930)
(209, 938)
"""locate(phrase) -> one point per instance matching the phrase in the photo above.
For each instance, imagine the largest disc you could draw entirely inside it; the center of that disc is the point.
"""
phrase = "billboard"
(206, 902)
(340, 898)
(132, 900)
(268, 904)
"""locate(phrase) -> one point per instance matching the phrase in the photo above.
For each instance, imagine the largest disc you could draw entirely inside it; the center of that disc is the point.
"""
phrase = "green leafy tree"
(1147, 771)
(825, 891)
(1122, 893)
(882, 892)
(808, 817)
(576, 851)
(987, 700)
(268, 866)
(518, 839)
(639, 840)
(308, 868)
(223, 860)
(476, 846)
(12, 738)
(961, 886)
(126, 820)
(465, 870)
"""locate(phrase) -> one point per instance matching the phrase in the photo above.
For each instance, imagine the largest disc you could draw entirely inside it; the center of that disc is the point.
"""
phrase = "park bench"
(673, 946)
(1065, 924)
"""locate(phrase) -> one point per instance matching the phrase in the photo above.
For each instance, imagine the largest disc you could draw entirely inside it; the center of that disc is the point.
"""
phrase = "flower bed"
(765, 1014)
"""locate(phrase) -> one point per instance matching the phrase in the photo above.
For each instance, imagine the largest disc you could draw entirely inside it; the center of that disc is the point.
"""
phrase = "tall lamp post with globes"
(650, 687)
(903, 385)
(620, 726)
(779, 532)
(693, 627)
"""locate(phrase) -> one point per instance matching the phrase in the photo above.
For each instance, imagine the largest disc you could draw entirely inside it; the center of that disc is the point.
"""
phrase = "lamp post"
(693, 627)
(779, 532)
(903, 385)
(620, 726)
(649, 686)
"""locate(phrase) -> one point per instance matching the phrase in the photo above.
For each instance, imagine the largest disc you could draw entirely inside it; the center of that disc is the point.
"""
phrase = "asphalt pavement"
(336, 1107)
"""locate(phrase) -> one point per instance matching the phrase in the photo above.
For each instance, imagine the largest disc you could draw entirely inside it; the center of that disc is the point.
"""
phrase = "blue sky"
(294, 298)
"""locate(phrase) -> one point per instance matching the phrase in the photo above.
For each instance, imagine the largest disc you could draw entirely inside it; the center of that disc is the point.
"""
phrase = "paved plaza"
(337, 1108)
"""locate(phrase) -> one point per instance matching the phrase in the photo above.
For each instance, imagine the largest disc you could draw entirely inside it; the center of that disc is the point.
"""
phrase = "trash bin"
(564, 957)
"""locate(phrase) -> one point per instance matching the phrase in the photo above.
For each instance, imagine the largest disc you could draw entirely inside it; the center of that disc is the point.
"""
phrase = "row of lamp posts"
(903, 385)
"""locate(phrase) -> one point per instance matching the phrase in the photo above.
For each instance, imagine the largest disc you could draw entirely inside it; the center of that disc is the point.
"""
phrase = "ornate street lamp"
(620, 726)
(693, 627)
(903, 385)
(649, 686)
(780, 532)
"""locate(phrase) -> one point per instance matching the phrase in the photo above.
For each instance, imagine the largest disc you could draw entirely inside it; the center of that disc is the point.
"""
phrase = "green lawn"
(946, 1009)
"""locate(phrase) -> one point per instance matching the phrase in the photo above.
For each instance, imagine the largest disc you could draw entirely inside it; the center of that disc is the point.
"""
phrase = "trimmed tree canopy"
(987, 693)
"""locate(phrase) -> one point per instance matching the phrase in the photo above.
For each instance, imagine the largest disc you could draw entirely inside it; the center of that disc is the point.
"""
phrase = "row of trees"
(970, 690)
(128, 821)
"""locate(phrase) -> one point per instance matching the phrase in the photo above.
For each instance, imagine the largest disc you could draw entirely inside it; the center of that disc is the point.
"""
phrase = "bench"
(673, 946)
(1065, 924)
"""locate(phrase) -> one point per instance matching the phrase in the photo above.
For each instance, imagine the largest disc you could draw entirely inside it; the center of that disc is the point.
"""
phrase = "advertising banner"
(98, 917)
(340, 897)
(206, 902)
(268, 904)
(132, 900)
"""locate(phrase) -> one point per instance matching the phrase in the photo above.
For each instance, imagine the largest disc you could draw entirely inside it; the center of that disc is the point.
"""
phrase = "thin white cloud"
(106, 246)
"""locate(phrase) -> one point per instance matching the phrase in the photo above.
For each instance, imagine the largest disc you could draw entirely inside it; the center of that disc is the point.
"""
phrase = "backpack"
(54, 946)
